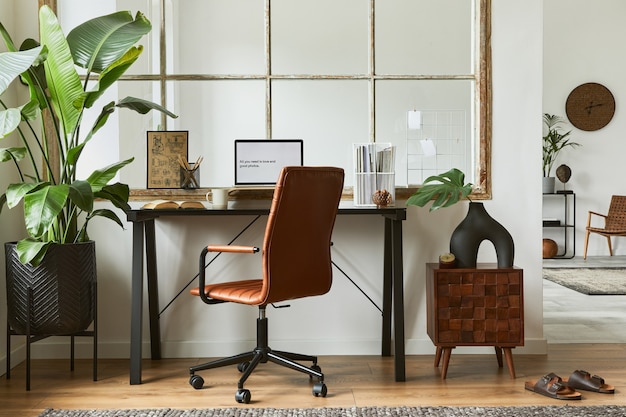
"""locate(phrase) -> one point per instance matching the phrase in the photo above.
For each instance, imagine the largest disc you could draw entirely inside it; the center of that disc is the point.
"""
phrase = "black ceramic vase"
(478, 226)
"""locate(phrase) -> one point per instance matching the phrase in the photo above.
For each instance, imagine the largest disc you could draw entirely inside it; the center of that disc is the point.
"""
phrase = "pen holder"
(190, 178)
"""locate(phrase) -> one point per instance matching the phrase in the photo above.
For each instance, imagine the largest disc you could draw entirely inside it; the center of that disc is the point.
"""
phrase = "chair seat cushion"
(243, 292)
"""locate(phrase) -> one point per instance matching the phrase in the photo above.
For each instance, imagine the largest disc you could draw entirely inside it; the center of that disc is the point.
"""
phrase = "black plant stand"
(32, 338)
(58, 297)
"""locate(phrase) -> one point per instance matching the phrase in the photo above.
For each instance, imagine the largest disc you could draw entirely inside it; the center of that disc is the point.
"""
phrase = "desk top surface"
(136, 213)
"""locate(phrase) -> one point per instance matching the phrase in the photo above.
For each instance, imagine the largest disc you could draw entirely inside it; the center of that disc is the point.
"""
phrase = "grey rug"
(591, 281)
(547, 411)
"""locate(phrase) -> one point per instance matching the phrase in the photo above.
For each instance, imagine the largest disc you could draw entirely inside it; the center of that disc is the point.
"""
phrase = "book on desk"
(171, 204)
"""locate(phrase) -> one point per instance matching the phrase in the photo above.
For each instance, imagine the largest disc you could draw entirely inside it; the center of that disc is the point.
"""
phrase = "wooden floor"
(351, 380)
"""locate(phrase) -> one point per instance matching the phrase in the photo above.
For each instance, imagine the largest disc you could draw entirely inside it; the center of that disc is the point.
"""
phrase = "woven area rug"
(546, 411)
(591, 281)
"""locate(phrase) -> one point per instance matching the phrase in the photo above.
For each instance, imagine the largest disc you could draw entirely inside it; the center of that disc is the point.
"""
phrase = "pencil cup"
(190, 178)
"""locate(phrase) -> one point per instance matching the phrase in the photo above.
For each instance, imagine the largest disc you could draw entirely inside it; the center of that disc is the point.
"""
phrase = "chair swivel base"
(248, 361)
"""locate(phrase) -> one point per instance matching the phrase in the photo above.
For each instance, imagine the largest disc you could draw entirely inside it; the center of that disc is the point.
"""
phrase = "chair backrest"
(296, 247)
(616, 217)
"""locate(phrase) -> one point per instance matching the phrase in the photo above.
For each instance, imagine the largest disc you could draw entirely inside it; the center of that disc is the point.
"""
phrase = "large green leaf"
(9, 121)
(63, 80)
(111, 74)
(15, 192)
(448, 189)
(143, 106)
(15, 154)
(15, 63)
(101, 177)
(82, 195)
(31, 250)
(117, 194)
(99, 42)
(41, 208)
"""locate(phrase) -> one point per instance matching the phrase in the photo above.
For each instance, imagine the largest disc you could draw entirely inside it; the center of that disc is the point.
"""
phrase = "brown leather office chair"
(296, 263)
(614, 222)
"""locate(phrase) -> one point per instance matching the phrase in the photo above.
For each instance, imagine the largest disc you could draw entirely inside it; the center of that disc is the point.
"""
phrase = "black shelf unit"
(567, 223)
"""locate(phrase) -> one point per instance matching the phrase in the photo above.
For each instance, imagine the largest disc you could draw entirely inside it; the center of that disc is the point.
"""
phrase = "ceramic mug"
(218, 197)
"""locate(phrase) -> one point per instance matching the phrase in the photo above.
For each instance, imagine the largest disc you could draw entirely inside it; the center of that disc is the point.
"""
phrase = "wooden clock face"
(590, 106)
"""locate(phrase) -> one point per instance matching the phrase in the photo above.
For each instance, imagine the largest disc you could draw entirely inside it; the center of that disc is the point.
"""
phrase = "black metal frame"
(32, 338)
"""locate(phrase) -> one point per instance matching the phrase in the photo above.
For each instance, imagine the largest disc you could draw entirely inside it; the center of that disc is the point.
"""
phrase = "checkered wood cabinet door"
(476, 307)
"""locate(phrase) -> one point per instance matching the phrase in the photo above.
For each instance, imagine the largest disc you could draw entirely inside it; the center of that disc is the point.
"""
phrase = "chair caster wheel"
(243, 396)
(196, 381)
(241, 367)
(320, 390)
(316, 368)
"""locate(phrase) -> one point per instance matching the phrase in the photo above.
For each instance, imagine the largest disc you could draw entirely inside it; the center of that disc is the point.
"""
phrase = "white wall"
(342, 322)
(583, 42)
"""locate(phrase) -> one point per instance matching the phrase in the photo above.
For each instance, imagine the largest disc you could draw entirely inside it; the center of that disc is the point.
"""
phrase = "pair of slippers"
(553, 386)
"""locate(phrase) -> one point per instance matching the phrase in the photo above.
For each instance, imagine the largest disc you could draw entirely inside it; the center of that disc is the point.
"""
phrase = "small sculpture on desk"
(564, 173)
(382, 198)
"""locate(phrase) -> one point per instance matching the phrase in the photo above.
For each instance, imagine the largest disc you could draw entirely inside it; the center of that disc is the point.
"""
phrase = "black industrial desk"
(144, 231)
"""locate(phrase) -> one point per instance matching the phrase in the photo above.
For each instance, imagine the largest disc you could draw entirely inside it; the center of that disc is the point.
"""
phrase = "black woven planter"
(62, 290)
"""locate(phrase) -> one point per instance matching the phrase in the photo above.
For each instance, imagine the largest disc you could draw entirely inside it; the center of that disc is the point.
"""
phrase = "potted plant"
(446, 190)
(57, 205)
(554, 141)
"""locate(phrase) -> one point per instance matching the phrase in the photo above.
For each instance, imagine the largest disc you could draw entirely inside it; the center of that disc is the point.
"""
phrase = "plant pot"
(547, 185)
(55, 298)
(477, 227)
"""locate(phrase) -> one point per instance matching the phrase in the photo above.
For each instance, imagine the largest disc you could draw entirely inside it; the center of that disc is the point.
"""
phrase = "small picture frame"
(164, 151)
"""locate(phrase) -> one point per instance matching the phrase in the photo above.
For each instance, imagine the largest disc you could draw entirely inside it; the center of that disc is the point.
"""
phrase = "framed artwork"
(165, 148)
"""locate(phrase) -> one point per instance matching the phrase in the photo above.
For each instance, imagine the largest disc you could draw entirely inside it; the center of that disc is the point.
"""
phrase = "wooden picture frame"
(164, 149)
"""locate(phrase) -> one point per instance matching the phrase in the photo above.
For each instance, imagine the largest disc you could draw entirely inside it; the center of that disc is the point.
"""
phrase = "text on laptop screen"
(259, 161)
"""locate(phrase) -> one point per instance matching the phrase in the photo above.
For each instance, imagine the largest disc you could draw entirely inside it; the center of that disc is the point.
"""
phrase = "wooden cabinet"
(481, 306)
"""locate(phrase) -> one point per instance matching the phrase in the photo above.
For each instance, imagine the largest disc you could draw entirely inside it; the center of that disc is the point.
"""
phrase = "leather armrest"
(232, 248)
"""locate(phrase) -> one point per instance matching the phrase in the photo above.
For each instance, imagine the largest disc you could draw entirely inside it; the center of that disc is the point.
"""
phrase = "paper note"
(428, 147)
(414, 119)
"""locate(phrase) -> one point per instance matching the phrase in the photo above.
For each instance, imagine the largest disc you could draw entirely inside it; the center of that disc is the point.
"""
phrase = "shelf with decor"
(559, 222)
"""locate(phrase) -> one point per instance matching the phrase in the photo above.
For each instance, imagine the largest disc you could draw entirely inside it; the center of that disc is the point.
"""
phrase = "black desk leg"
(153, 291)
(398, 299)
(136, 308)
(387, 290)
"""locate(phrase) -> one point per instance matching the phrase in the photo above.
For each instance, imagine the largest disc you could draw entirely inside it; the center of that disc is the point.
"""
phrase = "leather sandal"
(585, 381)
(551, 385)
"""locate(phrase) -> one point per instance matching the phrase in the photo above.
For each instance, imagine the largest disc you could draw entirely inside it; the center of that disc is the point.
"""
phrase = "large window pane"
(320, 37)
(445, 111)
(330, 115)
(216, 37)
(424, 36)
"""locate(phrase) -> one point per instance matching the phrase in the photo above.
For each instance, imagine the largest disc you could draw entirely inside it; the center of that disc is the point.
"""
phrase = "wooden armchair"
(614, 222)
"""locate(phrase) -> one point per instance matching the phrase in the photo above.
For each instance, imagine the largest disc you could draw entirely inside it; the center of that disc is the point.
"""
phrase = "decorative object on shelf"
(189, 173)
(448, 189)
(382, 198)
(563, 173)
(590, 106)
(550, 248)
(447, 260)
(554, 141)
(478, 226)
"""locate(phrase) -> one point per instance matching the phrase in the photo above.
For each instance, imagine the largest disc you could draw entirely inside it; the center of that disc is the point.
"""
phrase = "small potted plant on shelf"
(57, 205)
(554, 141)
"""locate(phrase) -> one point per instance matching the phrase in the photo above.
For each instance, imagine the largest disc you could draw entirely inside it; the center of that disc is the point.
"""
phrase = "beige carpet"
(547, 411)
(591, 281)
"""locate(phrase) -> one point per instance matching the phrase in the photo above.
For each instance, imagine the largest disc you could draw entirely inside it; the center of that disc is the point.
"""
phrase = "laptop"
(258, 162)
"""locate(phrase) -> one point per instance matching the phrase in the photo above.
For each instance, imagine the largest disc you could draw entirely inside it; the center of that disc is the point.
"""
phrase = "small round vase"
(478, 226)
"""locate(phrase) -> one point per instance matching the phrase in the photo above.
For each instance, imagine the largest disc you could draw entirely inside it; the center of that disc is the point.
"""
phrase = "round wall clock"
(590, 106)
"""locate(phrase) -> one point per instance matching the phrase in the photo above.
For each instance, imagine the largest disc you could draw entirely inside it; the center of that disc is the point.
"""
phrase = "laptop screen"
(259, 161)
